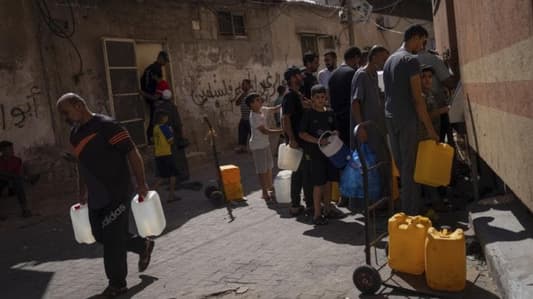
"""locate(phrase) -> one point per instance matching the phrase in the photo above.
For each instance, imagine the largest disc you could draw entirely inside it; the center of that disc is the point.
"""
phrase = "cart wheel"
(367, 279)
(209, 190)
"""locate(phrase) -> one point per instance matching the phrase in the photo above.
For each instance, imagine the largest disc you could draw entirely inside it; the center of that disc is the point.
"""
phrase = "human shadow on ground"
(338, 231)
(49, 238)
(146, 280)
(414, 283)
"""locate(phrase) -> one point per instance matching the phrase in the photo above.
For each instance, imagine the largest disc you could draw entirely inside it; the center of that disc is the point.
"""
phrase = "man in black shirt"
(339, 91)
(149, 84)
(104, 148)
(311, 64)
(292, 111)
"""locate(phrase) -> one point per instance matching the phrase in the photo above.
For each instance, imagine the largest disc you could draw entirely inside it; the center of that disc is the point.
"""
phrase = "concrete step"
(504, 227)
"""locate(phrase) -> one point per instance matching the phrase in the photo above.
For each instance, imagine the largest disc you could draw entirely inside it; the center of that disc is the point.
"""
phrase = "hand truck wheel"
(367, 280)
(213, 193)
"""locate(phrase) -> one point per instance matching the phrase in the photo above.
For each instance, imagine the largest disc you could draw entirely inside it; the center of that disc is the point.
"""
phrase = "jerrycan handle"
(322, 136)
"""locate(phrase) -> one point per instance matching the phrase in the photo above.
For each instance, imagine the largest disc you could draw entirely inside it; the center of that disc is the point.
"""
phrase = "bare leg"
(326, 197)
(263, 180)
(317, 197)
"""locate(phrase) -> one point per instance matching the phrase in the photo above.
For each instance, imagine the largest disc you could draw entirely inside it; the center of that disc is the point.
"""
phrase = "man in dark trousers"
(404, 109)
(104, 148)
(149, 85)
(292, 107)
(244, 130)
(339, 87)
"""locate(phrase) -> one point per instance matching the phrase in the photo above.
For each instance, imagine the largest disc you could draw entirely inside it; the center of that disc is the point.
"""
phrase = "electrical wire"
(56, 28)
(393, 5)
(386, 29)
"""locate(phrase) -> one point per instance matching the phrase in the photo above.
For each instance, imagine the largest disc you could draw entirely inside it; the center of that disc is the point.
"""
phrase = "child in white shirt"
(260, 145)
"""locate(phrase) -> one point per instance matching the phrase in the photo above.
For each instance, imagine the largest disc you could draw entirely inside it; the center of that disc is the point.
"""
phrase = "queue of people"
(413, 107)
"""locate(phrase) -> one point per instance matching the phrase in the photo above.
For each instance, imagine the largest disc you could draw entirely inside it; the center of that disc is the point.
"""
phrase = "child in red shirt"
(12, 175)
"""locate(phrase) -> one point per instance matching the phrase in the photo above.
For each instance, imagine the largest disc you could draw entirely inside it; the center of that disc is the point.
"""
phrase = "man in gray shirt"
(404, 107)
(366, 100)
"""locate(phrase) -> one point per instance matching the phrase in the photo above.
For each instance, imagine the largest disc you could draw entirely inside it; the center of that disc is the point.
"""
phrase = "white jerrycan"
(289, 158)
(79, 214)
(148, 214)
(282, 185)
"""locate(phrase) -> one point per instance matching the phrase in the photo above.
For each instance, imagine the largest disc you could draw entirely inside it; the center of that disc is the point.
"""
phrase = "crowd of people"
(412, 107)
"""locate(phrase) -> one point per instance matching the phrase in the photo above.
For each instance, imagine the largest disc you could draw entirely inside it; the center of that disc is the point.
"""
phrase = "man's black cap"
(291, 71)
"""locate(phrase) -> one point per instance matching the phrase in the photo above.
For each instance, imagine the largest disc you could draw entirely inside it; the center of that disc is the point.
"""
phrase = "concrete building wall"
(494, 40)
(206, 68)
(24, 107)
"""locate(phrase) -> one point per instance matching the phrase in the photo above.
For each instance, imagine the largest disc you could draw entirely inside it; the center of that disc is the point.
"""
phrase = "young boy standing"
(426, 79)
(259, 143)
(315, 122)
(163, 139)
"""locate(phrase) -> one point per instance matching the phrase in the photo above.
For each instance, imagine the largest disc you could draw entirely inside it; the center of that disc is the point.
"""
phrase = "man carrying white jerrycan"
(104, 148)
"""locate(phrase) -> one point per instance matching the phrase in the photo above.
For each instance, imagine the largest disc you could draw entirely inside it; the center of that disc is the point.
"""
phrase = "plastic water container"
(79, 214)
(282, 185)
(289, 158)
(336, 151)
(148, 214)
(231, 174)
(234, 191)
(335, 192)
(446, 260)
(433, 163)
(407, 237)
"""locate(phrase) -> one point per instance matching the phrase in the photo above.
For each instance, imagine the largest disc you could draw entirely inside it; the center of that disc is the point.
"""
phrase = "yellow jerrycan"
(234, 191)
(446, 260)
(433, 163)
(407, 236)
(231, 174)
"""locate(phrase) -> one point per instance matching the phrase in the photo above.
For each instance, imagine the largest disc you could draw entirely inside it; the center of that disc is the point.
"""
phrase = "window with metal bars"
(231, 24)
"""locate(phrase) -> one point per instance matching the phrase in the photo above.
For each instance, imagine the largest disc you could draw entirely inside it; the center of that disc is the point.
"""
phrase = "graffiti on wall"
(18, 114)
(223, 92)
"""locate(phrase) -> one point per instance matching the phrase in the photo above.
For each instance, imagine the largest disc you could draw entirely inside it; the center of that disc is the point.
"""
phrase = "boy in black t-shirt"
(315, 122)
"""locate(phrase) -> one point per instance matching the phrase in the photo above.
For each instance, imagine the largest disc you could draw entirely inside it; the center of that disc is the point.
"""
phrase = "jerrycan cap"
(140, 198)
(77, 207)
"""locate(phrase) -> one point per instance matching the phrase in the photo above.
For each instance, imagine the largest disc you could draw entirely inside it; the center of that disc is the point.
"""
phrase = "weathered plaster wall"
(494, 45)
(206, 68)
(24, 108)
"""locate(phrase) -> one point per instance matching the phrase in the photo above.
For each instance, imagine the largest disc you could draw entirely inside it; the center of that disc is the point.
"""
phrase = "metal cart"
(366, 277)
(216, 192)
